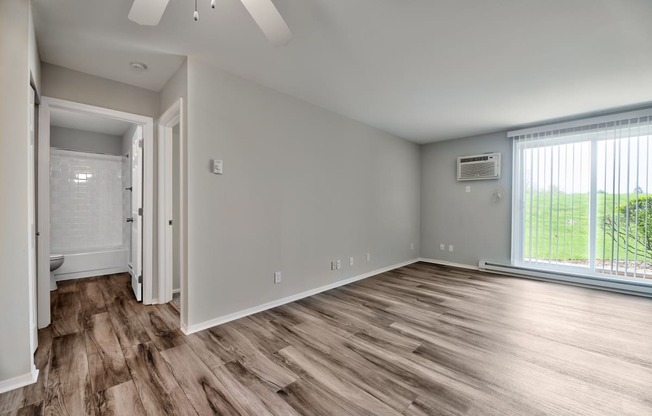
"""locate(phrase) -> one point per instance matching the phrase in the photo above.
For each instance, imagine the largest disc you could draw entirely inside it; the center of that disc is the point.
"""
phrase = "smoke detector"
(138, 66)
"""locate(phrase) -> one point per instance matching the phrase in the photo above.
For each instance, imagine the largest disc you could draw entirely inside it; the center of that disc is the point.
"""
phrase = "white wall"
(302, 186)
(478, 228)
(17, 68)
(85, 141)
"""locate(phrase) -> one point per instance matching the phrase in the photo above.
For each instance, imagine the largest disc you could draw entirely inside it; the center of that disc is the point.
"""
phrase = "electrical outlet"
(277, 277)
(338, 264)
(411, 246)
(332, 265)
(442, 247)
(468, 189)
(450, 247)
(350, 261)
(368, 256)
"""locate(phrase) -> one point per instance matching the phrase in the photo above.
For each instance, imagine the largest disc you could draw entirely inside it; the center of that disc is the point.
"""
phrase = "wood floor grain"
(419, 340)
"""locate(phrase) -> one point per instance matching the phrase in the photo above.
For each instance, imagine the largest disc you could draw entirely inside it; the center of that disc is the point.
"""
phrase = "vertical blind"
(582, 197)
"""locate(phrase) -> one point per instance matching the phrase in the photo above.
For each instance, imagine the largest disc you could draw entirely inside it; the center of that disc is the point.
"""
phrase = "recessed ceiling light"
(138, 66)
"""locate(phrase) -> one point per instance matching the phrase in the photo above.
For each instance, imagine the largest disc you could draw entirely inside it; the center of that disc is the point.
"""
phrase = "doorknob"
(130, 220)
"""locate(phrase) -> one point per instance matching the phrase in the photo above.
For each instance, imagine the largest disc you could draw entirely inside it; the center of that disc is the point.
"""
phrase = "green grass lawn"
(563, 226)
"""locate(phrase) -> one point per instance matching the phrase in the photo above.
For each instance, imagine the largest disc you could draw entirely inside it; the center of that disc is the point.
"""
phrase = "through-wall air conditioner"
(477, 167)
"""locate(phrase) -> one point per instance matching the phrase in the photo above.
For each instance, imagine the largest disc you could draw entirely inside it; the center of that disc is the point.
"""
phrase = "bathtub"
(92, 263)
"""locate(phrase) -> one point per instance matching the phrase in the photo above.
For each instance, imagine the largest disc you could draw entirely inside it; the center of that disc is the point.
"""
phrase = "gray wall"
(301, 187)
(66, 84)
(177, 86)
(477, 227)
(85, 141)
(18, 63)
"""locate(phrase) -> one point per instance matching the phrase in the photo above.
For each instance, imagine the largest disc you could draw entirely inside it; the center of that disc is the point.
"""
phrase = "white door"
(136, 263)
(31, 212)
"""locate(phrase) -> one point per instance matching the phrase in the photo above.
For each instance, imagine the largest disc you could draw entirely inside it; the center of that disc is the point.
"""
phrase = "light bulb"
(213, 4)
(195, 16)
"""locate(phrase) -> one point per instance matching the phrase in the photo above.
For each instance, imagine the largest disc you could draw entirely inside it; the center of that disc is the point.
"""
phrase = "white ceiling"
(425, 70)
(88, 122)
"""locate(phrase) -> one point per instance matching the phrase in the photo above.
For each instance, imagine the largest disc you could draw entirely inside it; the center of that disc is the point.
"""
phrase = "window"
(582, 196)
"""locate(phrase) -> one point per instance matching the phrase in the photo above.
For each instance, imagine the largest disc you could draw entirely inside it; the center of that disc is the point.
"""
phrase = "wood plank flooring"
(420, 340)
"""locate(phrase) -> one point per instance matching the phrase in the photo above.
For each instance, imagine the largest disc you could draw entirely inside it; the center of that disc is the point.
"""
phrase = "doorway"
(172, 210)
(118, 236)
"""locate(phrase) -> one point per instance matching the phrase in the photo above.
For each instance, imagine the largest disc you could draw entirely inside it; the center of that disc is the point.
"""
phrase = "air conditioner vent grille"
(474, 159)
(476, 167)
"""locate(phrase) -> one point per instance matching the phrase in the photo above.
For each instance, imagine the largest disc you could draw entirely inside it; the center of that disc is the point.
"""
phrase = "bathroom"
(93, 201)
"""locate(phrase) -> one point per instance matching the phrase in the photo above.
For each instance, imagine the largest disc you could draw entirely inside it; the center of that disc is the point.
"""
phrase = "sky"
(621, 165)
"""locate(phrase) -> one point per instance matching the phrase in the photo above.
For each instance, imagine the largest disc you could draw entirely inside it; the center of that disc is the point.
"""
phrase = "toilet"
(56, 260)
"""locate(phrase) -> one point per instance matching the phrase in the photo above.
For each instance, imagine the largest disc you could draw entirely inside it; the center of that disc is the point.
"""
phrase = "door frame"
(135, 263)
(32, 211)
(168, 120)
(147, 123)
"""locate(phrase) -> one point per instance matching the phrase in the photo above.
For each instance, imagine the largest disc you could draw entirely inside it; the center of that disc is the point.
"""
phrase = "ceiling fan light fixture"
(263, 12)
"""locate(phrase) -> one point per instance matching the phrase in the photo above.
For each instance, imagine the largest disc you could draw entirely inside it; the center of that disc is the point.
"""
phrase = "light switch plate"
(218, 167)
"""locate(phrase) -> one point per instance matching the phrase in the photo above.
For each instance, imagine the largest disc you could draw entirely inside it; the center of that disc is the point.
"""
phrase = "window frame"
(592, 130)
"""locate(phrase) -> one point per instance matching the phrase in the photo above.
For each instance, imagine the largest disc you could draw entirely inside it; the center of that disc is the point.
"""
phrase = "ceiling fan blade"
(147, 12)
(269, 20)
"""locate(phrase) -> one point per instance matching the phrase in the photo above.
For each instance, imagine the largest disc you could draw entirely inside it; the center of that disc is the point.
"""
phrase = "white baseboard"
(190, 329)
(20, 381)
(449, 263)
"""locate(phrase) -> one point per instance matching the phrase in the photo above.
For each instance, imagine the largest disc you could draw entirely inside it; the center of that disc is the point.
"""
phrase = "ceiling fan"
(264, 13)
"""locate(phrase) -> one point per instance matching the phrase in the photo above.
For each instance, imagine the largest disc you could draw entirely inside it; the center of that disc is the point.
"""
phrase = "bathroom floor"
(176, 301)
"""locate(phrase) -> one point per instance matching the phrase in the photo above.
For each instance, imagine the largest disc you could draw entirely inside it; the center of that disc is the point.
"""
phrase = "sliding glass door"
(582, 198)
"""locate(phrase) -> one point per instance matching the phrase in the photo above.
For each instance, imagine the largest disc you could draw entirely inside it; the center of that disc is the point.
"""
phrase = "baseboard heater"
(605, 283)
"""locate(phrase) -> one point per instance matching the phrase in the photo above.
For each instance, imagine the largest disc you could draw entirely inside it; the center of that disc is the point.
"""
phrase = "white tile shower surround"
(86, 201)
